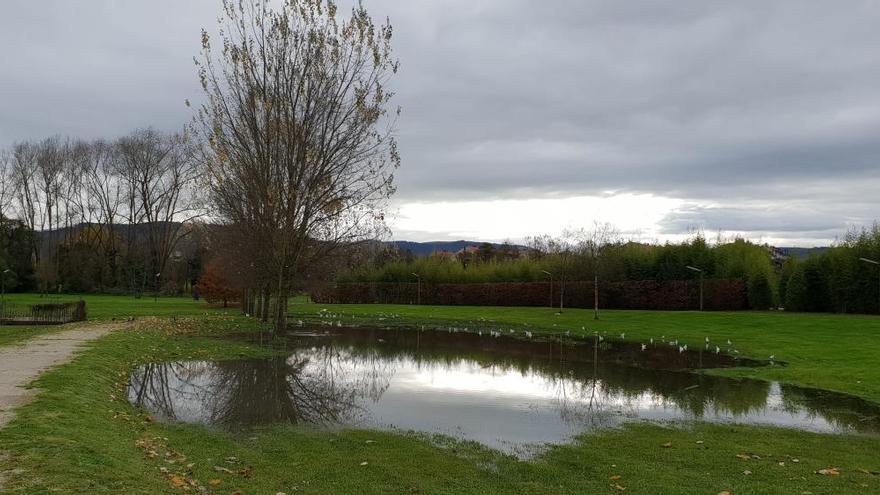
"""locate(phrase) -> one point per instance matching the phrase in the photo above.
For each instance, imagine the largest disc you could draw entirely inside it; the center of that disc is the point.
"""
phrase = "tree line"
(96, 214)
(834, 281)
(289, 161)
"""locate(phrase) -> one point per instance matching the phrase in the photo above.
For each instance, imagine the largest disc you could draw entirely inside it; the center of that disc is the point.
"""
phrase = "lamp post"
(695, 269)
(418, 288)
(551, 286)
(875, 263)
(3, 294)
(156, 294)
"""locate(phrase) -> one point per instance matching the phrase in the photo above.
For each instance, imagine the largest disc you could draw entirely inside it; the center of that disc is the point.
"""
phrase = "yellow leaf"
(829, 472)
(214, 482)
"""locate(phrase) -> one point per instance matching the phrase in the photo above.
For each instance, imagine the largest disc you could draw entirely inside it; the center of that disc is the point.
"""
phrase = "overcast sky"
(751, 118)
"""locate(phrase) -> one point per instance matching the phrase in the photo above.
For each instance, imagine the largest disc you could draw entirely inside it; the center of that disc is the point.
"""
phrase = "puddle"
(506, 393)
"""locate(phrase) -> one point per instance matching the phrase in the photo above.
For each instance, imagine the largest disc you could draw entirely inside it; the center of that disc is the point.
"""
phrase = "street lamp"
(156, 294)
(695, 269)
(418, 288)
(876, 263)
(551, 286)
(3, 294)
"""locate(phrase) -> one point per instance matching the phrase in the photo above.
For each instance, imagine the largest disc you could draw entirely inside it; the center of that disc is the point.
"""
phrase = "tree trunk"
(596, 297)
(280, 323)
(267, 295)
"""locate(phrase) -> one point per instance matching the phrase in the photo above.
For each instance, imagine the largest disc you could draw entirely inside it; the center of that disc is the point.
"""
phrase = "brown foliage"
(215, 287)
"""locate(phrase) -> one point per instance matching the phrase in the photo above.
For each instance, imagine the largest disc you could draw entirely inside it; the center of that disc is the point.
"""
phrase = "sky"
(519, 118)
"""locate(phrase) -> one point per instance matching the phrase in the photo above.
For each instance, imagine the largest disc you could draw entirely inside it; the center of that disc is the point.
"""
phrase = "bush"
(760, 293)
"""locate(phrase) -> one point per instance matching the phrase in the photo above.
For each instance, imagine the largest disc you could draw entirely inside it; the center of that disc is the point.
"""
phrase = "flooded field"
(505, 393)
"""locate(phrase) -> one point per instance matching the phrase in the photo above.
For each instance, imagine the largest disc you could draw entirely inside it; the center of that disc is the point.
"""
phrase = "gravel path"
(20, 364)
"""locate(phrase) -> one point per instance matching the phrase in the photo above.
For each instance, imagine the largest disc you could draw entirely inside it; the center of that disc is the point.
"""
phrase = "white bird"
(652, 340)
(680, 349)
(728, 341)
(567, 333)
(644, 347)
(772, 357)
(707, 340)
(622, 336)
(601, 339)
(717, 350)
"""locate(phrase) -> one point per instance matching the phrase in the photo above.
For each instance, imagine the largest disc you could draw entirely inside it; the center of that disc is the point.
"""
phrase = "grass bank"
(81, 436)
(833, 352)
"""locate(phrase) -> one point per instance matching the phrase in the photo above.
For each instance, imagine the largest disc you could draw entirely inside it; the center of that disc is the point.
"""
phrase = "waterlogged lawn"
(833, 352)
(93, 441)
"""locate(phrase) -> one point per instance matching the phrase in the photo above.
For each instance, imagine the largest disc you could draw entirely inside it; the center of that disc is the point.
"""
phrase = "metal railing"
(42, 314)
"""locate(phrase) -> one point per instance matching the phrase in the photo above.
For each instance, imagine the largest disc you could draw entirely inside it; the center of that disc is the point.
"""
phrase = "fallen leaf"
(829, 472)
(615, 477)
(724, 493)
(699, 442)
(667, 445)
(364, 463)
(221, 469)
(177, 480)
(619, 488)
(744, 457)
(245, 472)
(215, 481)
(747, 472)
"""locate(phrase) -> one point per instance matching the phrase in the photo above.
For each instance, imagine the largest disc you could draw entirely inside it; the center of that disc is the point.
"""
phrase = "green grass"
(834, 352)
(81, 436)
(17, 334)
(103, 307)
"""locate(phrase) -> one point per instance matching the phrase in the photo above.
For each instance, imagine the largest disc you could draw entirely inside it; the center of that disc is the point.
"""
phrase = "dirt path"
(20, 364)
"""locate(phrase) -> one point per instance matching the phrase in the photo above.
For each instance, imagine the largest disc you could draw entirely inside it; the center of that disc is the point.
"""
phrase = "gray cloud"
(722, 103)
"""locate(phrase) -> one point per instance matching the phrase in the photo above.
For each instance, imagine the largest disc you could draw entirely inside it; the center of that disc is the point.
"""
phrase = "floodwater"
(506, 393)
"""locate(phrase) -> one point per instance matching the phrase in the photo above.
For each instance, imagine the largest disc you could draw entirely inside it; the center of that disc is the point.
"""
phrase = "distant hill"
(802, 253)
(430, 247)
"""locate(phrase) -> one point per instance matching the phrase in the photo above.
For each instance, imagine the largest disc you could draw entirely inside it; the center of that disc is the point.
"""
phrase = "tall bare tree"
(160, 177)
(7, 185)
(298, 133)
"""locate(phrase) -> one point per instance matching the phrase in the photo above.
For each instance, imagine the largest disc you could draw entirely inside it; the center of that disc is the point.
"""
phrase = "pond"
(506, 393)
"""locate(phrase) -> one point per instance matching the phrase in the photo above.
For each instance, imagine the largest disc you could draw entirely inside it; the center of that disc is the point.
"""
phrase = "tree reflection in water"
(323, 387)
(488, 389)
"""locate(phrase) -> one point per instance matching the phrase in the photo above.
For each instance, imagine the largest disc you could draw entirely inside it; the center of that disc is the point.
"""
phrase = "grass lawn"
(81, 436)
(102, 307)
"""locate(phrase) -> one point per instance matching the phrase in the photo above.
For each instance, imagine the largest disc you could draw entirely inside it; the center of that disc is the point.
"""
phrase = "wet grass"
(833, 352)
(93, 441)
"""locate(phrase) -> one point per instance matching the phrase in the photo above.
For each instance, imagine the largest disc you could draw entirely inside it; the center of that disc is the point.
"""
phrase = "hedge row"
(719, 295)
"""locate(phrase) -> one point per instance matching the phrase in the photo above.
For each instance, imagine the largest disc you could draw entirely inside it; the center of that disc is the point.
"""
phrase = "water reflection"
(504, 393)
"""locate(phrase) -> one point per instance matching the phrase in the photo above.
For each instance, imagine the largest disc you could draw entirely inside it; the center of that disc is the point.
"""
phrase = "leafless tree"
(158, 178)
(593, 243)
(298, 138)
(7, 187)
